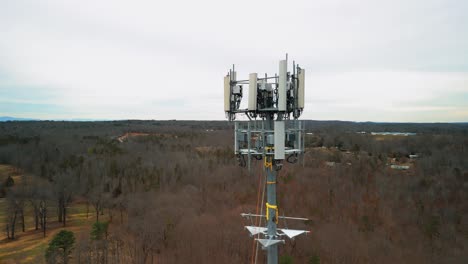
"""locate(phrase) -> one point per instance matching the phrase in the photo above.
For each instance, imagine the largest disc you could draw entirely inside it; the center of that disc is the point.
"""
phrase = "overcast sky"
(365, 60)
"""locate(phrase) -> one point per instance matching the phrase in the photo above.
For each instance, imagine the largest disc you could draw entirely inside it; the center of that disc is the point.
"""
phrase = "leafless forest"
(172, 191)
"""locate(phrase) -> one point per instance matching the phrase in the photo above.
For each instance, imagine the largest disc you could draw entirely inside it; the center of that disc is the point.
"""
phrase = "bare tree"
(15, 209)
(65, 186)
(44, 195)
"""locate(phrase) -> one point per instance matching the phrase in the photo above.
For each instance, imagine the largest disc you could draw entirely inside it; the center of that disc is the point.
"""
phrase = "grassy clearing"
(29, 246)
(5, 171)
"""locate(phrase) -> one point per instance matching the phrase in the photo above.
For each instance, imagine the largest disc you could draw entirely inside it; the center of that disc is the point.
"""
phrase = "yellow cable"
(268, 164)
(273, 207)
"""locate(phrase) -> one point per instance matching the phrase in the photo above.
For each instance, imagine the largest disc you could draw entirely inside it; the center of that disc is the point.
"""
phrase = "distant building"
(393, 134)
(399, 167)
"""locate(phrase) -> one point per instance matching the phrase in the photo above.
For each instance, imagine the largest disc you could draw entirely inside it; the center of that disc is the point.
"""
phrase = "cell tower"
(272, 134)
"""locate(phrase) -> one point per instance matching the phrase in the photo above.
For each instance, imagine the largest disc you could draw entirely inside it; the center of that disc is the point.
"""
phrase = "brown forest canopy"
(176, 190)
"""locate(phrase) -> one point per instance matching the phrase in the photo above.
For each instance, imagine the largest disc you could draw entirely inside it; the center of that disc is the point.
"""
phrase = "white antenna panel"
(283, 69)
(300, 94)
(279, 140)
(227, 94)
(252, 92)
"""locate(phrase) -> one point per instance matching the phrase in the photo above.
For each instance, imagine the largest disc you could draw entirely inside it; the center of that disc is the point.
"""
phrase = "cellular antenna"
(272, 134)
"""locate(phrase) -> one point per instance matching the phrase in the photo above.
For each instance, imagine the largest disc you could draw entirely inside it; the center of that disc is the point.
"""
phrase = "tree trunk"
(97, 213)
(44, 220)
(59, 213)
(64, 215)
(44, 217)
(13, 226)
(65, 257)
(36, 217)
(145, 256)
(41, 219)
(110, 215)
(22, 220)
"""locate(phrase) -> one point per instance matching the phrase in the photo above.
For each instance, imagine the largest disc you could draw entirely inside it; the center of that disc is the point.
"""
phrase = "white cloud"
(386, 96)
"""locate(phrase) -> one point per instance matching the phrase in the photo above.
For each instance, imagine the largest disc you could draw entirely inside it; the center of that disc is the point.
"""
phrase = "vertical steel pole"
(271, 199)
(249, 137)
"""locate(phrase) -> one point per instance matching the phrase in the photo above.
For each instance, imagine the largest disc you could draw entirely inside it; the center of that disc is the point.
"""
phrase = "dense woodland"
(174, 192)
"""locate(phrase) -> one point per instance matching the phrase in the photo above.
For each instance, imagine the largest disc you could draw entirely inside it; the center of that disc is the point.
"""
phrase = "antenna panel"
(252, 92)
(227, 94)
(279, 140)
(283, 68)
(300, 92)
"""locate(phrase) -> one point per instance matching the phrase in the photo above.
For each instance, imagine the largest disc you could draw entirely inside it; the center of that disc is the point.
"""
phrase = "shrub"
(286, 259)
(99, 230)
(60, 247)
(315, 259)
